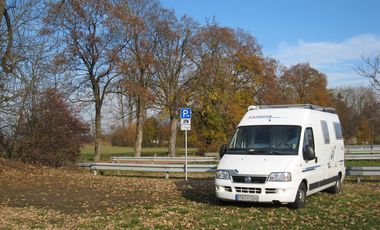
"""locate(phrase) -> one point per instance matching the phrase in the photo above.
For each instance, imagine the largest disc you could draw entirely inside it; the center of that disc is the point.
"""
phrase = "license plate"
(244, 197)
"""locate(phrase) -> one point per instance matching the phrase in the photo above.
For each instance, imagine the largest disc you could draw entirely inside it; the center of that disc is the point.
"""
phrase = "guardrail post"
(118, 161)
(358, 179)
(95, 172)
(167, 175)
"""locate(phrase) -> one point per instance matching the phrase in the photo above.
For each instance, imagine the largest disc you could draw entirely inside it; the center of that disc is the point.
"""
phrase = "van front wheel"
(300, 200)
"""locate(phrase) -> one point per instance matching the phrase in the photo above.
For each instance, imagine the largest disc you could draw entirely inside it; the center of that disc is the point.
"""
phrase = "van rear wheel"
(337, 187)
(300, 200)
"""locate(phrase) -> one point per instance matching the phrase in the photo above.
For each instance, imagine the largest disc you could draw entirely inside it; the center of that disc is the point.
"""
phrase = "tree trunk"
(121, 109)
(98, 131)
(6, 62)
(140, 113)
(173, 136)
(130, 111)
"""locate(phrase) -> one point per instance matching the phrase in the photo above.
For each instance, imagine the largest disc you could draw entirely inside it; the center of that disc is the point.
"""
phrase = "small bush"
(51, 134)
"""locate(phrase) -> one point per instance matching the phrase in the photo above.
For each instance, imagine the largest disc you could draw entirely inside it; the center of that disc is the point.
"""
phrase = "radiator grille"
(253, 179)
(248, 190)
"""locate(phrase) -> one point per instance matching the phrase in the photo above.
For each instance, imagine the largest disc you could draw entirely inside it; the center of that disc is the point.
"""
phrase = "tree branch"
(6, 59)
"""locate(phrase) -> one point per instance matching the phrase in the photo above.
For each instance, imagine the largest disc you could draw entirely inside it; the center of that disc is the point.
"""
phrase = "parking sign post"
(186, 155)
(185, 126)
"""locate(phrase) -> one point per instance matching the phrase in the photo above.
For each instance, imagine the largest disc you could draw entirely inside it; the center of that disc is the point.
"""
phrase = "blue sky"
(330, 35)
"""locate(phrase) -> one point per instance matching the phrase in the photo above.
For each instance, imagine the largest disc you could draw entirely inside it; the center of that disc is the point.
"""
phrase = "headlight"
(222, 175)
(280, 176)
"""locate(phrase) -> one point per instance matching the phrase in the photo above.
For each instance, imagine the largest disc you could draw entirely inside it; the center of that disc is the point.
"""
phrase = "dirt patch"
(76, 191)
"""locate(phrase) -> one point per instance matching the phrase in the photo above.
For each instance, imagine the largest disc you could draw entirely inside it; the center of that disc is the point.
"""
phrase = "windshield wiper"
(274, 152)
(255, 151)
(247, 151)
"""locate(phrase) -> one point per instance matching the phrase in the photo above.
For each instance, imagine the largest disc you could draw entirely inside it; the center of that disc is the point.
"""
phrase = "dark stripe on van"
(310, 168)
(322, 182)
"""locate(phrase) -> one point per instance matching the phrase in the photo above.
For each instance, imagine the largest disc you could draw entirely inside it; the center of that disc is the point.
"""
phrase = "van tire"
(337, 187)
(300, 200)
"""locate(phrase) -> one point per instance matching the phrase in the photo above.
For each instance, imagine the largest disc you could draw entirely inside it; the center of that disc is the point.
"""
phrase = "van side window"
(325, 131)
(338, 131)
(308, 138)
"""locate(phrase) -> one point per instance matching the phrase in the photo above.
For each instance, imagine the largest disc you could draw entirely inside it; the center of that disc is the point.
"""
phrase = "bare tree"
(370, 69)
(122, 105)
(136, 24)
(88, 47)
(15, 17)
(23, 64)
(173, 67)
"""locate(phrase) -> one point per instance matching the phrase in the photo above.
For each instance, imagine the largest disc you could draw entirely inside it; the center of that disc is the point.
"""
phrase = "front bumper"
(283, 192)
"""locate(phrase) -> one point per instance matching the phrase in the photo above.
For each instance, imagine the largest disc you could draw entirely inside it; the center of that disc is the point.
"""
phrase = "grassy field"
(87, 152)
(40, 198)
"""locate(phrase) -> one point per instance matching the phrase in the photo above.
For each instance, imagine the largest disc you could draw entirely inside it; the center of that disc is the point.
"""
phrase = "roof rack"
(305, 106)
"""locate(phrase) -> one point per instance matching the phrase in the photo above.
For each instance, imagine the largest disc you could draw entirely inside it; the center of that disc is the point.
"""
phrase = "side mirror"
(308, 153)
(222, 151)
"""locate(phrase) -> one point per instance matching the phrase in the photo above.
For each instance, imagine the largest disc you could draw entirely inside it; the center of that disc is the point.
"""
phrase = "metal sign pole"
(185, 125)
(186, 155)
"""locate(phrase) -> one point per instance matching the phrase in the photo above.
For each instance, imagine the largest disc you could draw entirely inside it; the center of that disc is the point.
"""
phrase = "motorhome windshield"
(265, 140)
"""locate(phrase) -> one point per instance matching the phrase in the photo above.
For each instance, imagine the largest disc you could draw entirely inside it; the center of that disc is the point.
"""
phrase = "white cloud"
(335, 59)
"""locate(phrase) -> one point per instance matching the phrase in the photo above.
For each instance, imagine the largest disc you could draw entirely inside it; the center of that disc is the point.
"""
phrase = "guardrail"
(216, 159)
(362, 157)
(362, 171)
(361, 151)
(213, 159)
(166, 168)
(362, 147)
(165, 159)
(170, 164)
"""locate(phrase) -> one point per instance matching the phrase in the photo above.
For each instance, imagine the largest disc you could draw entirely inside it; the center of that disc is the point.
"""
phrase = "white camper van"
(281, 154)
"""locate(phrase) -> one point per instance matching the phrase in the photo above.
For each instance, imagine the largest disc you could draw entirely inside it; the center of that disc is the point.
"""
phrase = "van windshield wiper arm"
(255, 151)
(274, 152)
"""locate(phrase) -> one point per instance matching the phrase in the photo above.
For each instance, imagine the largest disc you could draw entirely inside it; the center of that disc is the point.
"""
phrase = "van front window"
(265, 139)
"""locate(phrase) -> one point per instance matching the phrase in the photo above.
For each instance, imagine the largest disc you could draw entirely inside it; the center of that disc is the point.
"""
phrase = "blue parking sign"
(185, 113)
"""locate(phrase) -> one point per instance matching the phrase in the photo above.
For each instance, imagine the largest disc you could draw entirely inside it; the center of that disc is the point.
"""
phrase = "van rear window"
(338, 131)
(325, 131)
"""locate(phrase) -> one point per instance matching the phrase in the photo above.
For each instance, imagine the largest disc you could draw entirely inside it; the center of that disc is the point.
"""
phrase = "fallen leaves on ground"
(39, 197)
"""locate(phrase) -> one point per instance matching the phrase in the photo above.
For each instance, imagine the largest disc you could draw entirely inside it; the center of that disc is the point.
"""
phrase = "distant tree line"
(137, 57)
